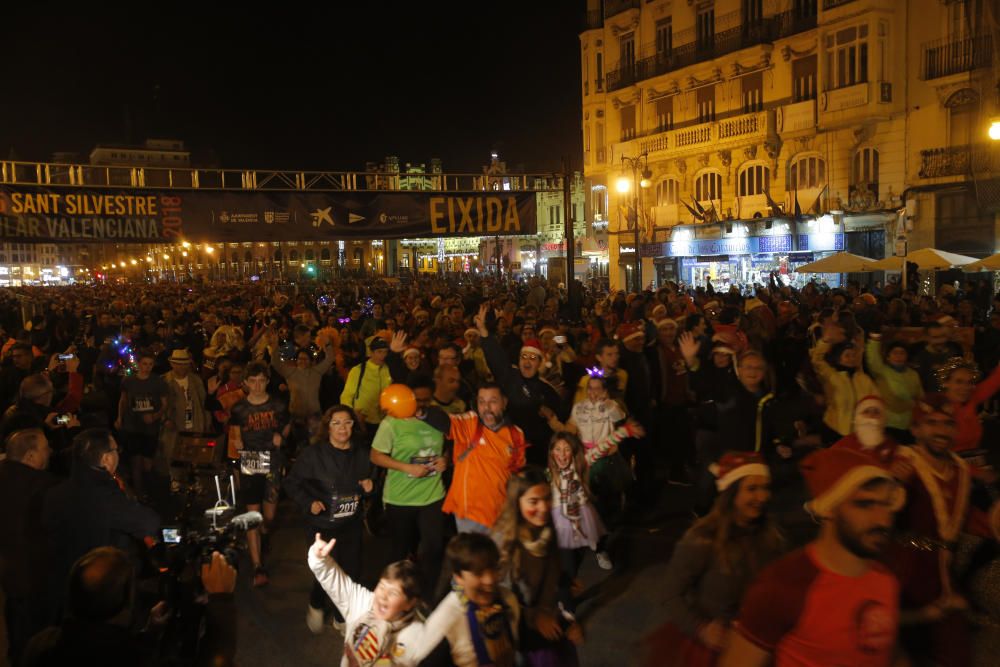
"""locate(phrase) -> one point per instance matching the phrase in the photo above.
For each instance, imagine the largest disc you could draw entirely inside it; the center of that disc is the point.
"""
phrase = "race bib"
(255, 463)
(343, 507)
(143, 404)
(425, 458)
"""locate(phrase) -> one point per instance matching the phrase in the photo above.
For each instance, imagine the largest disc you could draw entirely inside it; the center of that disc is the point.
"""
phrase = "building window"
(705, 29)
(404, 260)
(664, 39)
(600, 73)
(626, 46)
(708, 186)
(277, 255)
(706, 104)
(310, 255)
(864, 175)
(804, 79)
(753, 92)
(963, 109)
(599, 202)
(847, 57)
(667, 192)
(358, 254)
(664, 114)
(753, 180)
(628, 122)
(807, 172)
(324, 255)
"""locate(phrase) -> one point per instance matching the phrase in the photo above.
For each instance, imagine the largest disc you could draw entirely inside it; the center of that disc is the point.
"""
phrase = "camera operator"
(91, 508)
(101, 608)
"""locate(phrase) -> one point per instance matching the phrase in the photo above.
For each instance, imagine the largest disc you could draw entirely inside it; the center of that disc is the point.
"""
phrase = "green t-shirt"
(410, 441)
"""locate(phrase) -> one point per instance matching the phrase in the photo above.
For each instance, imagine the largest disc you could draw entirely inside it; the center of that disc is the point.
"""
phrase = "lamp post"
(639, 167)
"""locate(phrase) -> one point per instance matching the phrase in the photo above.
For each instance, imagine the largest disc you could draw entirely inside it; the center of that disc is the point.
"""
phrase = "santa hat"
(868, 402)
(734, 466)
(722, 345)
(832, 475)
(630, 330)
(752, 304)
(666, 322)
(471, 330)
(928, 404)
(660, 311)
(412, 349)
(532, 346)
(436, 302)
(947, 321)
(418, 311)
(545, 330)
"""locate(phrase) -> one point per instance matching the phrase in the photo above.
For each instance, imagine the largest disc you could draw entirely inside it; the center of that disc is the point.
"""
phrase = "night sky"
(303, 89)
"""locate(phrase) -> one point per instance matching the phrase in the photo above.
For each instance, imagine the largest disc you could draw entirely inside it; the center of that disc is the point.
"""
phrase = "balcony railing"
(950, 161)
(964, 160)
(612, 7)
(690, 50)
(728, 130)
(945, 57)
(593, 20)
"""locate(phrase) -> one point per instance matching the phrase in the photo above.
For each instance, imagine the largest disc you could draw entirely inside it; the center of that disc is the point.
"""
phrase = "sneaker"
(314, 620)
(604, 561)
(260, 578)
(339, 626)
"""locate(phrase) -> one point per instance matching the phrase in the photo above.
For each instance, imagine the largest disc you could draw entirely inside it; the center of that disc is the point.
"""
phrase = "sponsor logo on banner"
(321, 216)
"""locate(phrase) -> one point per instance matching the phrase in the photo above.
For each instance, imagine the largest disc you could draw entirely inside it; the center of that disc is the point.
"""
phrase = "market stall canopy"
(926, 259)
(991, 263)
(841, 262)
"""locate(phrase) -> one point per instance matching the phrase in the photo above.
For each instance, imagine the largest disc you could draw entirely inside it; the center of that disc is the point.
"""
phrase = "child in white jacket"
(382, 626)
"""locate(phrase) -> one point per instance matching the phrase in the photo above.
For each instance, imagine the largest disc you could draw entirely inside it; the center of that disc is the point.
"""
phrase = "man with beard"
(937, 509)
(487, 450)
(531, 398)
(831, 602)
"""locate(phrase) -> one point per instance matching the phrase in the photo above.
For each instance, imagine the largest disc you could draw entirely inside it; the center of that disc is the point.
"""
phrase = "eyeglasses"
(527, 355)
(337, 423)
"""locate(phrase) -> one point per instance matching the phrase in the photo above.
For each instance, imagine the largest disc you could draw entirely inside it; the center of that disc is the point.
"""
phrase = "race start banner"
(76, 215)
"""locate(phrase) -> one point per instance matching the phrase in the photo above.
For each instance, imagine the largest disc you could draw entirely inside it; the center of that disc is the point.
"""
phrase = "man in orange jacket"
(488, 449)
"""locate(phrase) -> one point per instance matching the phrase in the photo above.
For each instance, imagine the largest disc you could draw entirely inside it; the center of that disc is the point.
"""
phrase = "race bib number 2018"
(343, 507)
(255, 463)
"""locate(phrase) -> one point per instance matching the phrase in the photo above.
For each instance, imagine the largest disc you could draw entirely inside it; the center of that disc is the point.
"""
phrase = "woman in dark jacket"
(328, 482)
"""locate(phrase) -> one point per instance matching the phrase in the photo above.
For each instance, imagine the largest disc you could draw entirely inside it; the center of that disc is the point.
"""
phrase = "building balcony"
(725, 133)
(593, 20)
(612, 7)
(733, 36)
(954, 56)
(942, 162)
(965, 160)
(796, 117)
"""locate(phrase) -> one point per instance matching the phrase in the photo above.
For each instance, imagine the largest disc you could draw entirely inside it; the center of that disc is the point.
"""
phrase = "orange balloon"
(397, 400)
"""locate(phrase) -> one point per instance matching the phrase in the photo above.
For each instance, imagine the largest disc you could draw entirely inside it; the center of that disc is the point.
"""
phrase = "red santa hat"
(666, 322)
(547, 329)
(660, 311)
(412, 349)
(832, 475)
(630, 330)
(867, 402)
(532, 346)
(734, 466)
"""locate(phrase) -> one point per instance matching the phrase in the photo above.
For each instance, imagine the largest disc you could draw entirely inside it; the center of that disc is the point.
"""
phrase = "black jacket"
(321, 472)
(525, 396)
(87, 511)
(23, 552)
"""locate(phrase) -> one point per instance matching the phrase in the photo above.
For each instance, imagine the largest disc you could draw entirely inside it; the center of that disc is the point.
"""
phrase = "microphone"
(247, 520)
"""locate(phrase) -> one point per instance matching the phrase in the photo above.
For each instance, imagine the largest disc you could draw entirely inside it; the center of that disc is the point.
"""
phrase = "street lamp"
(994, 130)
(640, 168)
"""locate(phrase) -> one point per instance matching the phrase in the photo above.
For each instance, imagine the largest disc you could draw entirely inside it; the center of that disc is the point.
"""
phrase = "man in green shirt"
(413, 453)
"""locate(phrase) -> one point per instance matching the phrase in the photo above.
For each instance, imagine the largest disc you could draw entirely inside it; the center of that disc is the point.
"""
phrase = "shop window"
(847, 57)
(708, 186)
(807, 172)
(667, 192)
(753, 180)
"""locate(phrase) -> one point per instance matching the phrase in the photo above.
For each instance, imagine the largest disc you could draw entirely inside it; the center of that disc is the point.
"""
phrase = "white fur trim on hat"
(665, 322)
(549, 329)
(410, 350)
(531, 349)
(660, 310)
(739, 473)
(821, 506)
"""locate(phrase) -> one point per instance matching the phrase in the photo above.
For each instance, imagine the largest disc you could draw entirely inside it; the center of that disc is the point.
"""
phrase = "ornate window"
(708, 186)
(753, 179)
(806, 172)
(667, 192)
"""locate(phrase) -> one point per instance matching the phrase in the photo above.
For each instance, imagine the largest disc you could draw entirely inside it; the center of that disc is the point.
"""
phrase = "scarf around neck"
(373, 639)
(489, 628)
